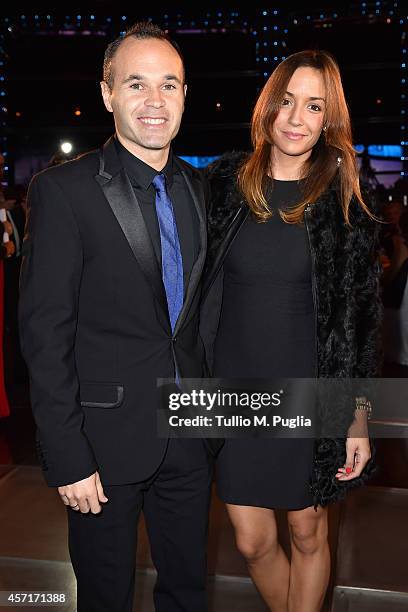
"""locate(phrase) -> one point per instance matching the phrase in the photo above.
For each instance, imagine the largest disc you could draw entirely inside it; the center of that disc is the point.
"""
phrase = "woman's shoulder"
(330, 204)
(366, 222)
(227, 166)
(222, 176)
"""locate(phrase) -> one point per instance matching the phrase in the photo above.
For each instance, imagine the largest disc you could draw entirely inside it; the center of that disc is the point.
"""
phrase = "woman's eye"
(285, 102)
(315, 107)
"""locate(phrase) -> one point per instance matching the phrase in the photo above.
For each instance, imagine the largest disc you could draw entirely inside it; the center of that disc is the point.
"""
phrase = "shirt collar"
(140, 173)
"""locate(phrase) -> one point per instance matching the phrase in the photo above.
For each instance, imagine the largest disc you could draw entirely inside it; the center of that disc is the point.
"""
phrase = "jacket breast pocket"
(101, 395)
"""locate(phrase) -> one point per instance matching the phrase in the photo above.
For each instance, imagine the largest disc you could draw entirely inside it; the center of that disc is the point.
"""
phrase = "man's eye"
(136, 86)
(169, 86)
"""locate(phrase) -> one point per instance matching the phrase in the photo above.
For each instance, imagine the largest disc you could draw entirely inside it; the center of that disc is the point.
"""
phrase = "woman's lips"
(293, 135)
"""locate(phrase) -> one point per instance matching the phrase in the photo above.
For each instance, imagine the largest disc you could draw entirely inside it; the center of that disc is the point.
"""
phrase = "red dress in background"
(4, 405)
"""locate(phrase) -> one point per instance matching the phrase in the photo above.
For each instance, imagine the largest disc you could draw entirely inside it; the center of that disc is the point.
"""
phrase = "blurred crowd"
(12, 217)
(394, 241)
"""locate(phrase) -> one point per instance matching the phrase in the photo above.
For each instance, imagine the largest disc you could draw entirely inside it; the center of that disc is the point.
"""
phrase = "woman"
(292, 290)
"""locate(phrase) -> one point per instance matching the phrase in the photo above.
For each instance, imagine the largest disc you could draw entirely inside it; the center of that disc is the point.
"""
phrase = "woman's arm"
(368, 313)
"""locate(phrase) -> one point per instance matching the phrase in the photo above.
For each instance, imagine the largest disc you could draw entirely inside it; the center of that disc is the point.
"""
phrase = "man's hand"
(85, 495)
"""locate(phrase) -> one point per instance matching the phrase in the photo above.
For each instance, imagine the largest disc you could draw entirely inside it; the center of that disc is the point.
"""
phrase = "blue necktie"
(172, 263)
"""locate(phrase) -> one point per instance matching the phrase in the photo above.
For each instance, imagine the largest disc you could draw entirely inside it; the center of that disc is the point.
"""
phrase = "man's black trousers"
(175, 503)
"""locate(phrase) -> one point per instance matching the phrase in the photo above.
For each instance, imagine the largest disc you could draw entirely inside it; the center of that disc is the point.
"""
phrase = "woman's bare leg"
(310, 563)
(257, 540)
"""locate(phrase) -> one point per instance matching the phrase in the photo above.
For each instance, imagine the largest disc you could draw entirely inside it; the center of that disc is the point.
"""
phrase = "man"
(110, 286)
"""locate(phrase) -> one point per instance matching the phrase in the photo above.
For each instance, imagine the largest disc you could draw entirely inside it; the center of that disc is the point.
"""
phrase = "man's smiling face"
(147, 95)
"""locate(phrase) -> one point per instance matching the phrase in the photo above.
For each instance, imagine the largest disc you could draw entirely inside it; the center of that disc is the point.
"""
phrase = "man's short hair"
(141, 30)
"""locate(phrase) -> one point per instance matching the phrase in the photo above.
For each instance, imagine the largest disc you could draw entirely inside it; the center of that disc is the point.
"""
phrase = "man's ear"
(106, 95)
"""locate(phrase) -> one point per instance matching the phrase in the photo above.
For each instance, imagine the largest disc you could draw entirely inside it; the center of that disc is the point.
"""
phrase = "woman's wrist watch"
(362, 403)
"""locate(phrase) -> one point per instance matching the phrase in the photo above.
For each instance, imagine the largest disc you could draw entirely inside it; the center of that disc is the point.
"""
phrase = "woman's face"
(300, 121)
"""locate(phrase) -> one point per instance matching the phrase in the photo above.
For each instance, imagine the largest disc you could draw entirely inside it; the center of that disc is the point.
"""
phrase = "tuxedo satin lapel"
(123, 202)
(196, 191)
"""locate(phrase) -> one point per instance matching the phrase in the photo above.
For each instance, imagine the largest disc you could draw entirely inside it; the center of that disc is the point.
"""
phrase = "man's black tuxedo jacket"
(94, 321)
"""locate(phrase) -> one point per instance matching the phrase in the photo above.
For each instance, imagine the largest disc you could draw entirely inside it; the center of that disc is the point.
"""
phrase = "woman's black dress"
(267, 330)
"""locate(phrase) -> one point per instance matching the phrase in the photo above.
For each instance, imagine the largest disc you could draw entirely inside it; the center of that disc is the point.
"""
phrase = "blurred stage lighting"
(66, 147)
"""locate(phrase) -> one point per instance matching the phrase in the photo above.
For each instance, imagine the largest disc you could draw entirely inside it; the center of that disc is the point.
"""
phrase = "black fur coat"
(346, 274)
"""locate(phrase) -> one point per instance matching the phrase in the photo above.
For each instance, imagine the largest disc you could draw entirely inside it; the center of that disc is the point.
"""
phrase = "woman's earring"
(325, 128)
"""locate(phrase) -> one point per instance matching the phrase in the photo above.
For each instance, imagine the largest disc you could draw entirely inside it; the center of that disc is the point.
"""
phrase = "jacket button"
(174, 339)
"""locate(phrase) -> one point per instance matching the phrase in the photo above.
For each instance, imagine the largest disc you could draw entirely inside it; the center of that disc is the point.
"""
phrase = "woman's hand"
(358, 455)
(357, 448)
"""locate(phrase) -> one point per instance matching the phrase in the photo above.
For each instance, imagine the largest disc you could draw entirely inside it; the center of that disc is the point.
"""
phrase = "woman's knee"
(255, 531)
(308, 533)
(255, 546)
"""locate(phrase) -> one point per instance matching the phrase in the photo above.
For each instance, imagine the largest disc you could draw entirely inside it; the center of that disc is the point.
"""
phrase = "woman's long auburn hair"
(333, 153)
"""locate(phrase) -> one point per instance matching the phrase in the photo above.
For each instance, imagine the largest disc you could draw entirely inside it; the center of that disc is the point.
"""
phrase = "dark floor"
(368, 535)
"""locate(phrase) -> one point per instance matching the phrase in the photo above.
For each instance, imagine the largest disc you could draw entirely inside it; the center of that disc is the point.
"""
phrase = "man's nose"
(154, 98)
